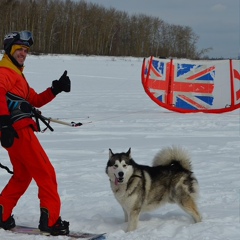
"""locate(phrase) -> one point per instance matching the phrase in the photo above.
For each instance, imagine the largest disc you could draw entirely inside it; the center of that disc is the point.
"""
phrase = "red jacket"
(12, 80)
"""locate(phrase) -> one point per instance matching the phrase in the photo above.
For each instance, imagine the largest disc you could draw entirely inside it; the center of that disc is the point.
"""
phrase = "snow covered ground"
(108, 97)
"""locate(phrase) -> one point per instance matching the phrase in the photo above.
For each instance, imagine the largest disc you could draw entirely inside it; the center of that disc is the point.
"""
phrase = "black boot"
(59, 228)
(6, 225)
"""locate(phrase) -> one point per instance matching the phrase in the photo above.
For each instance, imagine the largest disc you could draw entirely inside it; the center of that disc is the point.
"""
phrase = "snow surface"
(108, 97)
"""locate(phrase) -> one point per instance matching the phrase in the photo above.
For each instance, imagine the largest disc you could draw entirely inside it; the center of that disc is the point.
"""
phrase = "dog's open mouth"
(118, 180)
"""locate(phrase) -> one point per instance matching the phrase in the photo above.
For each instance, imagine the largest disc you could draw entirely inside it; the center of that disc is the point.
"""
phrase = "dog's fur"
(140, 188)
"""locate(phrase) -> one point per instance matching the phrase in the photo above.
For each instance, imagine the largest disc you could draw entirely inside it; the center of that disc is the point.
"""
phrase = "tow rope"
(6, 168)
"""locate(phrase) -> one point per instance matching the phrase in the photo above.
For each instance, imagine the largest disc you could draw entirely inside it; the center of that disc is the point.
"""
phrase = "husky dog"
(140, 188)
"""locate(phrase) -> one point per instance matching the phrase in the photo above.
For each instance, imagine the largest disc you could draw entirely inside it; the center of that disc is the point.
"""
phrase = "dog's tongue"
(116, 181)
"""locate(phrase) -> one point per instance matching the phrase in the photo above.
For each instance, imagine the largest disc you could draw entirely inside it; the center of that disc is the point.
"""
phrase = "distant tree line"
(70, 27)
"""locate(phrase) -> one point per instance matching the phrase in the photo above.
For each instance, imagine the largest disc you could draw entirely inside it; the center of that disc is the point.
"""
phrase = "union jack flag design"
(157, 81)
(193, 86)
(185, 86)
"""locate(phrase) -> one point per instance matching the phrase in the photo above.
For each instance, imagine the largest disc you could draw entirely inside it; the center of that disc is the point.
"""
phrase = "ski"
(72, 235)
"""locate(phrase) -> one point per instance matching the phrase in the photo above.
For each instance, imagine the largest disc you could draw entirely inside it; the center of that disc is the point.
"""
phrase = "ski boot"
(59, 228)
(6, 225)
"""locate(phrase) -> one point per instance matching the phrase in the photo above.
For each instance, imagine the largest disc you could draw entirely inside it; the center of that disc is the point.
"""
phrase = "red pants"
(29, 162)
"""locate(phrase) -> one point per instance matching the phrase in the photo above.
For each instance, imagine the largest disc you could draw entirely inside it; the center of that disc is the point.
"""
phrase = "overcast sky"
(216, 22)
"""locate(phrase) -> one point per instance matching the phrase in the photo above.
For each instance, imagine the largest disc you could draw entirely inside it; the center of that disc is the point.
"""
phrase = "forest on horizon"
(70, 27)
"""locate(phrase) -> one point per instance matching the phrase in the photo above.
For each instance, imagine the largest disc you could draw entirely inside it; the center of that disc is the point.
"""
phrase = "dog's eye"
(115, 166)
(125, 165)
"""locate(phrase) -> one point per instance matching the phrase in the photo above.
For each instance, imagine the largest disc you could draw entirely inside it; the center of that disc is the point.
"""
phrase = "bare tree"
(85, 28)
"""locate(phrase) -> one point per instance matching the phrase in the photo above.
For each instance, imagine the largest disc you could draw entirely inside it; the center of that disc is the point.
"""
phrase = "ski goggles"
(26, 38)
(21, 38)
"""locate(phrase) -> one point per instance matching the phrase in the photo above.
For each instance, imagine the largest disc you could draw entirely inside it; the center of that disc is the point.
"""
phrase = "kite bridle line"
(48, 120)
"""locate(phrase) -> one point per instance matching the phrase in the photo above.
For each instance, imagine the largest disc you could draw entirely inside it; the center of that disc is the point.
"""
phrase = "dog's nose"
(120, 174)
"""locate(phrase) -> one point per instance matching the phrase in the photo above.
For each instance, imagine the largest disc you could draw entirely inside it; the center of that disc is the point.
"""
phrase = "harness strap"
(37, 114)
(20, 108)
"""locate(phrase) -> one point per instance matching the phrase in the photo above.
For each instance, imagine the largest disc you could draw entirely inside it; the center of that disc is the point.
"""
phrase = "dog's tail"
(170, 154)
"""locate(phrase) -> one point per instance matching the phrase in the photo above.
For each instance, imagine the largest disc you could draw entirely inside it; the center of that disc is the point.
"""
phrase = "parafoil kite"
(189, 86)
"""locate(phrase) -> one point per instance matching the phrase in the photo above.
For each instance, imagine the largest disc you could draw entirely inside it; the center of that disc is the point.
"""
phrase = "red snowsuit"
(27, 156)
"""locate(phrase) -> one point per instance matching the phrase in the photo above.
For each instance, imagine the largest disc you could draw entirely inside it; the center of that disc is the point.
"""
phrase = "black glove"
(8, 133)
(63, 84)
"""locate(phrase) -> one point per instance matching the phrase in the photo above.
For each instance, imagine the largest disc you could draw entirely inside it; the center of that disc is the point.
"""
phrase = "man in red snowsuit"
(17, 127)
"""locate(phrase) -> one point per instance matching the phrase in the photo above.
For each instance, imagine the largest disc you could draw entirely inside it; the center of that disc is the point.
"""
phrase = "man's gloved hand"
(63, 84)
(8, 133)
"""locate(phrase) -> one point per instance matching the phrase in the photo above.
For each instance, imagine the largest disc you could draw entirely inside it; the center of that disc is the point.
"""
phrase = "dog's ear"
(110, 153)
(129, 153)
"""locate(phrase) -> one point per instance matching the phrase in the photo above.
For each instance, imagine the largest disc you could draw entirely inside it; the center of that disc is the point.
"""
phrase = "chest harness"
(19, 108)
